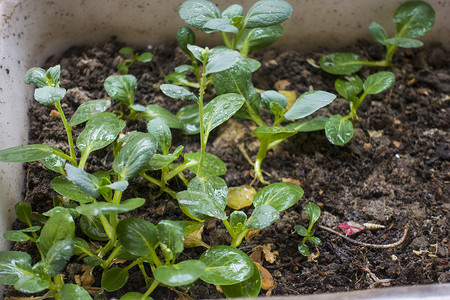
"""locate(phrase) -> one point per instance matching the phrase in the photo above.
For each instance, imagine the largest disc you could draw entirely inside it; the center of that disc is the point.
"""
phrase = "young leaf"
(134, 156)
(137, 236)
(55, 163)
(114, 279)
(23, 212)
(26, 153)
(341, 63)
(279, 195)
(212, 165)
(220, 109)
(121, 88)
(73, 291)
(158, 161)
(303, 249)
(378, 33)
(349, 87)
(171, 236)
(197, 12)
(49, 94)
(159, 129)
(270, 98)
(58, 227)
(201, 205)
(414, 18)
(93, 228)
(53, 75)
(318, 123)
(126, 50)
(232, 11)
(214, 186)
(145, 57)
(272, 134)
(57, 256)
(154, 111)
(338, 130)
(246, 289)
(177, 92)
(100, 131)
(16, 236)
(105, 208)
(238, 218)
(198, 52)
(219, 25)
(189, 117)
(260, 37)
(308, 103)
(70, 190)
(404, 42)
(88, 183)
(266, 13)
(378, 82)
(185, 36)
(221, 61)
(301, 230)
(226, 265)
(183, 273)
(89, 109)
(36, 76)
(313, 212)
(262, 216)
(80, 246)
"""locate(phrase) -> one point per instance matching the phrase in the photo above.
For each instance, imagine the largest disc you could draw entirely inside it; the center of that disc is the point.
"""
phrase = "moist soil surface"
(394, 172)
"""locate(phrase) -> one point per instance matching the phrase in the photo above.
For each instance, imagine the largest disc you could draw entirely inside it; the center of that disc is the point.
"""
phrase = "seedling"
(123, 68)
(313, 212)
(338, 129)
(412, 19)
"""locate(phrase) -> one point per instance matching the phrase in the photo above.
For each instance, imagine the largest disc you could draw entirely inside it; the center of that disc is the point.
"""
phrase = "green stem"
(105, 265)
(146, 277)
(228, 227)
(355, 104)
(238, 239)
(226, 39)
(174, 172)
(68, 129)
(378, 63)
(155, 283)
(390, 54)
(158, 183)
(203, 136)
(59, 282)
(260, 156)
(84, 158)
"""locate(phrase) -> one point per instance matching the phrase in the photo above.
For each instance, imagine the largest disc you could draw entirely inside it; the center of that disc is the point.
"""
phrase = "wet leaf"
(58, 227)
(220, 109)
(145, 57)
(247, 288)
(262, 216)
(338, 130)
(106, 208)
(318, 123)
(159, 129)
(201, 205)
(189, 117)
(183, 273)
(178, 92)
(197, 12)
(260, 37)
(378, 33)
(154, 111)
(214, 186)
(212, 165)
(93, 228)
(279, 195)
(171, 236)
(114, 279)
(313, 211)
(36, 76)
(185, 36)
(139, 237)
(378, 82)
(134, 296)
(303, 249)
(70, 190)
(57, 256)
(89, 109)
(23, 212)
(240, 196)
(220, 25)
(404, 42)
(73, 291)
(86, 182)
(266, 13)
(49, 94)
(121, 88)
(414, 18)
(308, 103)
(26, 153)
(341, 63)
(349, 87)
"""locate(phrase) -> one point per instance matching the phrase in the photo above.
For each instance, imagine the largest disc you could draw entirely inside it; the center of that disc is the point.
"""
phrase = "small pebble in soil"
(419, 243)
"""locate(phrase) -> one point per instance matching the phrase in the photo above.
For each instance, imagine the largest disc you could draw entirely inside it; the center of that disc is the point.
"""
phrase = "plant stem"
(226, 39)
(262, 152)
(228, 227)
(105, 265)
(68, 129)
(203, 136)
(238, 239)
(159, 183)
(171, 174)
(155, 283)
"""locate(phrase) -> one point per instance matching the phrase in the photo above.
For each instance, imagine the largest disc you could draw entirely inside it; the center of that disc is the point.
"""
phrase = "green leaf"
(338, 130)
(134, 156)
(16, 236)
(55, 163)
(197, 12)
(189, 117)
(154, 111)
(93, 260)
(57, 256)
(70, 190)
(214, 186)
(221, 61)
(183, 273)
(74, 292)
(378, 33)
(404, 42)
(49, 94)
(26, 153)
(238, 219)
(341, 63)
(89, 109)
(272, 134)
(14, 265)
(262, 216)
(315, 240)
(178, 92)
(266, 13)
(106, 208)
(36, 76)
(246, 289)
(232, 11)
(279, 195)
(159, 129)
(212, 165)
(121, 88)
(308, 103)
(135, 296)
(198, 52)
(87, 183)
(226, 265)
(93, 228)
(137, 236)
(301, 230)
(123, 69)
(100, 131)
(126, 50)
(159, 161)
(318, 123)
(185, 36)
(414, 18)
(80, 246)
(259, 37)
(378, 82)
(201, 205)
(220, 25)
(220, 109)
(145, 57)
(349, 87)
(171, 236)
(53, 75)
(114, 279)
(23, 212)
(274, 102)
(58, 227)
(303, 249)
(313, 211)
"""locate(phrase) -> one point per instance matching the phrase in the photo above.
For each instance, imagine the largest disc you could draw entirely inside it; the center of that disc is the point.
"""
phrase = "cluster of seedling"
(93, 201)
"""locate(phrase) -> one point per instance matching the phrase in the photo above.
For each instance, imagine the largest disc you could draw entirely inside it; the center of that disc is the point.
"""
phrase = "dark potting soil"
(394, 172)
